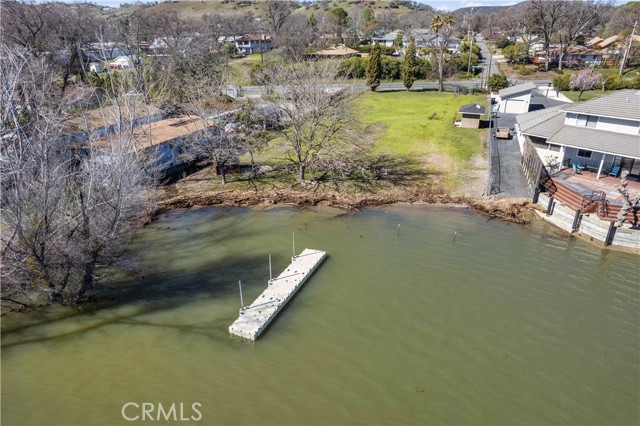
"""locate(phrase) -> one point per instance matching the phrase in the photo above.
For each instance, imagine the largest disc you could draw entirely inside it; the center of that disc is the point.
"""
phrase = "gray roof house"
(386, 39)
(601, 134)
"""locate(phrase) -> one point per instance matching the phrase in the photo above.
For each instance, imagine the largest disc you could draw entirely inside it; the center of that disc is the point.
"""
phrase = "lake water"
(449, 319)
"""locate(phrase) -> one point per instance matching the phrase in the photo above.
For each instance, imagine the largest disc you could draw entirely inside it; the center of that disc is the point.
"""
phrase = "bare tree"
(627, 203)
(578, 18)
(318, 119)
(546, 16)
(66, 207)
(277, 12)
(296, 36)
(29, 25)
(387, 20)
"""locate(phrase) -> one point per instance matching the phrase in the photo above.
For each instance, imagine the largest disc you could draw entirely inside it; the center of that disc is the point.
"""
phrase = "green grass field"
(589, 94)
(421, 123)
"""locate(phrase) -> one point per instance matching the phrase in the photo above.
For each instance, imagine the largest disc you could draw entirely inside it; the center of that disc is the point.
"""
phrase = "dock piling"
(241, 301)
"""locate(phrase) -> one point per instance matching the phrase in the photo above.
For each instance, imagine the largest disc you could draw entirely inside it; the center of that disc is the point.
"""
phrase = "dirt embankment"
(516, 210)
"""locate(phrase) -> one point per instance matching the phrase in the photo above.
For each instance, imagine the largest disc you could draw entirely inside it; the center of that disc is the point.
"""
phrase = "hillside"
(192, 9)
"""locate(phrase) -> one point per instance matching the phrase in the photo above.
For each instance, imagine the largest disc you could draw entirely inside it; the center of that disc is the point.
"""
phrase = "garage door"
(513, 106)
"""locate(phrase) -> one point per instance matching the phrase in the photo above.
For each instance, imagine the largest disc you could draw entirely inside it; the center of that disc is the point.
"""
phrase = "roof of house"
(340, 50)
(597, 140)
(542, 123)
(472, 109)
(516, 90)
(386, 37)
(162, 131)
(577, 50)
(594, 41)
(254, 37)
(619, 104)
(608, 41)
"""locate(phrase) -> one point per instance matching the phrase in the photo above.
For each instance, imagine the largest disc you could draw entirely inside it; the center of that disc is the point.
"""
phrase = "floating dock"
(255, 318)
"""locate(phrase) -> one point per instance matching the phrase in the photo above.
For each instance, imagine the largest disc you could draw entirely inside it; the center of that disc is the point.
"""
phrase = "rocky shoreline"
(514, 210)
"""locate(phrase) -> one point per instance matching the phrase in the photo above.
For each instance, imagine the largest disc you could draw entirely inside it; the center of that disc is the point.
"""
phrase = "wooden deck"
(607, 184)
(571, 189)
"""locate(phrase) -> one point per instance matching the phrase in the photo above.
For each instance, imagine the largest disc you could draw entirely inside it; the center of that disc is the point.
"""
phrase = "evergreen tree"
(312, 22)
(374, 67)
(409, 65)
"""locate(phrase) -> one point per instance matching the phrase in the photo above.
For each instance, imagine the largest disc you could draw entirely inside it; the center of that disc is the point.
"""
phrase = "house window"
(584, 153)
(582, 120)
(592, 120)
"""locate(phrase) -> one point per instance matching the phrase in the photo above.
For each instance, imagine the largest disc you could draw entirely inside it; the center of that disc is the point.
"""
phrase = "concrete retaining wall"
(589, 225)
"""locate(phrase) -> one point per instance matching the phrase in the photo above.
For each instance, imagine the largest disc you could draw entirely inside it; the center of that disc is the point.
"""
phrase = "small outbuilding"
(471, 114)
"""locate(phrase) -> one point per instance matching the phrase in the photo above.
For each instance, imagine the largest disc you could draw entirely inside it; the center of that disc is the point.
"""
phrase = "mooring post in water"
(270, 276)
(454, 236)
(241, 301)
(398, 230)
(294, 244)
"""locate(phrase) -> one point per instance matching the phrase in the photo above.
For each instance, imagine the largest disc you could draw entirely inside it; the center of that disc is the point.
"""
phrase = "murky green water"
(504, 325)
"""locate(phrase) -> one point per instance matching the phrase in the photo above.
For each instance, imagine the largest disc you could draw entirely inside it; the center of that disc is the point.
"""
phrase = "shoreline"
(513, 210)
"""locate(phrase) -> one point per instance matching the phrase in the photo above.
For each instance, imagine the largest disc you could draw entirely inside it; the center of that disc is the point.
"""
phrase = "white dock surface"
(255, 318)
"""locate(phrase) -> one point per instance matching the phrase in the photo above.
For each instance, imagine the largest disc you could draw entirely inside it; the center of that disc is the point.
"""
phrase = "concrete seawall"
(589, 225)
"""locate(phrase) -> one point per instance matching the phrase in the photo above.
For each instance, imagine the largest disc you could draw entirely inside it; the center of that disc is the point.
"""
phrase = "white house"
(516, 99)
(601, 134)
(122, 62)
(249, 44)
(385, 40)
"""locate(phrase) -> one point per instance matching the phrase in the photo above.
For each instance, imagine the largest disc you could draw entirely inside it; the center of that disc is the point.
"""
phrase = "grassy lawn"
(421, 123)
(417, 126)
(590, 94)
(240, 69)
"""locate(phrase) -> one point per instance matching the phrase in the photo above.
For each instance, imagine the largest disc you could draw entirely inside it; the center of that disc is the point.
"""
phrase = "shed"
(471, 114)
(516, 99)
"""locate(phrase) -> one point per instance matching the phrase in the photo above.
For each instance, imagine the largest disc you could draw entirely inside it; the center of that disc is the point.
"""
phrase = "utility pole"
(626, 52)
(470, 40)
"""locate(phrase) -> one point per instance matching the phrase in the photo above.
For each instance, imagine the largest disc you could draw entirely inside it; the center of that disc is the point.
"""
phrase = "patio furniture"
(576, 168)
(615, 171)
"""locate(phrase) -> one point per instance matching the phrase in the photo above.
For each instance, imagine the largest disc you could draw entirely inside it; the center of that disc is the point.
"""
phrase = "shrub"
(561, 82)
(353, 68)
(522, 70)
(391, 68)
(503, 42)
(615, 82)
(497, 82)
(558, 71)
(423, 68)
(366, 48)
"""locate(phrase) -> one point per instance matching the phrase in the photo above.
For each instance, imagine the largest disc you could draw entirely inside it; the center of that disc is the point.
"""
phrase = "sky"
(436, 4)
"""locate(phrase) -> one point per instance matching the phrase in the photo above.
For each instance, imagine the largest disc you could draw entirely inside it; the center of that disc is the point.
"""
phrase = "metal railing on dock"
(255, 318)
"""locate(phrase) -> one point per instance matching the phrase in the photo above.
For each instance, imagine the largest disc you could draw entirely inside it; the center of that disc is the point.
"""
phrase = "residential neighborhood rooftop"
(620, 104)
(339, 50)
(520, 88)
(163, 131)
(542, 123)
(597, 140)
